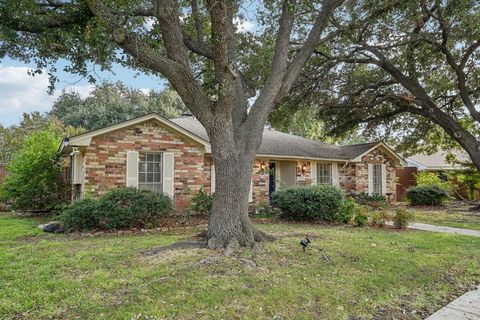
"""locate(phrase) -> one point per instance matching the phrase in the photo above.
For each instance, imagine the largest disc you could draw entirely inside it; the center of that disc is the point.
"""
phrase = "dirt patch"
(182, 245)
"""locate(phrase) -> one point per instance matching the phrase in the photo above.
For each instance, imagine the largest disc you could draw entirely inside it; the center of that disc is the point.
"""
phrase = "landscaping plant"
(402, 218)
(426, 195)
(201, 203)
(311, 203)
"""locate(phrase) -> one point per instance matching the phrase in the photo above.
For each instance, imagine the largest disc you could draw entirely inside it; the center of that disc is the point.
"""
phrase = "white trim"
(286, 157)
(335, 175)
(384, 178)
(313, 172)
(168, 174)
(370, 178)
(131, 176)
(250, 192)
(85, 138)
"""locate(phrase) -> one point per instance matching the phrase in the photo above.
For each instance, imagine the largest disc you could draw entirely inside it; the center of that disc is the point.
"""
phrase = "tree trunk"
(229, 224)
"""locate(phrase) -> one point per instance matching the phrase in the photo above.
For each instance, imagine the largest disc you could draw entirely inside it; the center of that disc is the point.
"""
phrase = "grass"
(373, 273)
(457, 219)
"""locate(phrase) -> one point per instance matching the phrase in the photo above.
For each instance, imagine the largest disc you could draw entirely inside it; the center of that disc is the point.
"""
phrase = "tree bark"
(229, 224)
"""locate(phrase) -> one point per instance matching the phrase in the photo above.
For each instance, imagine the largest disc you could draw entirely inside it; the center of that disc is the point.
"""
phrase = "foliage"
(81, 215)
(130, 207)
(357, 82)
(470, 177)
(379, 218)
(263, 208)
(426, 195)
(119, 208)
(13, 138)
(402, 218)
(35, 180)
(111, 103)
(202, 203)
(372, 200)
(431, 179)
(311, 203)
(361, 218)
(347, 210)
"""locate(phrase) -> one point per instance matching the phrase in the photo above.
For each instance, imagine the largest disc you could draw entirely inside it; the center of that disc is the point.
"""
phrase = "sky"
(20, 92)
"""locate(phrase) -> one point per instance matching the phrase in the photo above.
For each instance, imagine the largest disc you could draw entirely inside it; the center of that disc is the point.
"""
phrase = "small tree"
(35, 179)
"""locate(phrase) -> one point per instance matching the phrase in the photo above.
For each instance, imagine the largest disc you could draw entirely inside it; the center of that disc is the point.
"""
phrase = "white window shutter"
(132, 169)
(335, 181)
(313, 172)
(168, 173)
(250, 192)
(212, 179)
(384, 179)
(77, 167)
(370, 178)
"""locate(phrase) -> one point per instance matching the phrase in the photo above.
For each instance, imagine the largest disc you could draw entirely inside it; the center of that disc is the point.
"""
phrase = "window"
(324, 173)
(377, 179)
(150, 171)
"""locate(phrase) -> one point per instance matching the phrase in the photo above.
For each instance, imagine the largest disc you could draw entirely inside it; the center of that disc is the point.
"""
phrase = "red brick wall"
(105, 160)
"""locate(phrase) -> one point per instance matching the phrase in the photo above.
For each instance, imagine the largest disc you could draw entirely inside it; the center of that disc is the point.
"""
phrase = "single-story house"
(174, 156)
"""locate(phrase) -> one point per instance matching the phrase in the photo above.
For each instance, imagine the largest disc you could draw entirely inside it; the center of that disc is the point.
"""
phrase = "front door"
(271, 179)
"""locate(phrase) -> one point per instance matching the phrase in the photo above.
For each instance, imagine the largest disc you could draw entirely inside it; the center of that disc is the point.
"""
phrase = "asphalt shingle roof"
(283, 144)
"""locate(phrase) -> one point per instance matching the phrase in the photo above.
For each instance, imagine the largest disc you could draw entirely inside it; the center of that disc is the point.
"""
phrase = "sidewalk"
(430, 227)
(466, 307)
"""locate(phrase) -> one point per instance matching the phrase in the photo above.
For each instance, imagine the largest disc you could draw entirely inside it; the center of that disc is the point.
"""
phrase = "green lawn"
(380, 274)
(458, 219)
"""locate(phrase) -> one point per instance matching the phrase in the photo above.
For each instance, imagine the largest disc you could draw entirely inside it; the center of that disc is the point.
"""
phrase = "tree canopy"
(407, 71)
(110, 103)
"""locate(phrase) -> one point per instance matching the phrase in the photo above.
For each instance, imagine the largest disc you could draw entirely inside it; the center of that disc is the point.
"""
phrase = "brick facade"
(104, 162)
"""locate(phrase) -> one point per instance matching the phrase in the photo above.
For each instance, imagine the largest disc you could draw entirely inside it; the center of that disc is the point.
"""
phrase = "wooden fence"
(406, 179)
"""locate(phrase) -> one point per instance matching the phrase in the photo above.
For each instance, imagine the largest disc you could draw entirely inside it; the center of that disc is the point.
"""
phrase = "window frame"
(377, 174)
(324, 179)
(151, 167)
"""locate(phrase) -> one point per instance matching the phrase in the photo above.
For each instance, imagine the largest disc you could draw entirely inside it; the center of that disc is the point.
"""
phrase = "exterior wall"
(377, 156)
(347, 176)
(105, 160)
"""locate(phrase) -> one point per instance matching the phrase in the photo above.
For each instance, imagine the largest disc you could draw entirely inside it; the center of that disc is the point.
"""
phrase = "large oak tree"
(198, 48)
(407, 70)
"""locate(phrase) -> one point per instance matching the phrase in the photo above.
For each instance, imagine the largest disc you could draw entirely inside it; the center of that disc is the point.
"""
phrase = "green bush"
(263, 208)
(372, 200)
(430, 179)
(119, 208)
(312, 203)
(35, 179)
(379, 218)
(129, 207)
(361, 218)
(202, 203)
(81, 215)
(426, 195)
(347, 210)
(402, 218)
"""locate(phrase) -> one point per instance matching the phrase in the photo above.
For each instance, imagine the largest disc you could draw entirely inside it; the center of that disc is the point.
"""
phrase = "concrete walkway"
(430, 227)
(466, 307)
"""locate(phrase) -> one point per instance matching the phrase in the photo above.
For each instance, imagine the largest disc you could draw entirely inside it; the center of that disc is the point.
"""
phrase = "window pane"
(158, 177)
(141, 177)
(150, 167)
(158, 157)
(150, 157)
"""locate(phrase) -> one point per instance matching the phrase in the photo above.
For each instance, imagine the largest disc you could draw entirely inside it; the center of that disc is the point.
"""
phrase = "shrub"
(430, 179)
(402, 218)
(81, 215)
(129, 207)
(347, 210)
(360, 219)
(202, 203)
(35, 179)
(312, 203)
(374, 201)
(426, 195)
(263, 208)
(379, 218)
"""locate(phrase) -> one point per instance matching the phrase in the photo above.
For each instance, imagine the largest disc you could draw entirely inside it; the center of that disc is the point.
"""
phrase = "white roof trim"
(83, 140)
(381, 144)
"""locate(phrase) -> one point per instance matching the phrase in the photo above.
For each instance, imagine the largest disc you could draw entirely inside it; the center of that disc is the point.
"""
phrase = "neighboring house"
(174, 157)
(437, 161)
